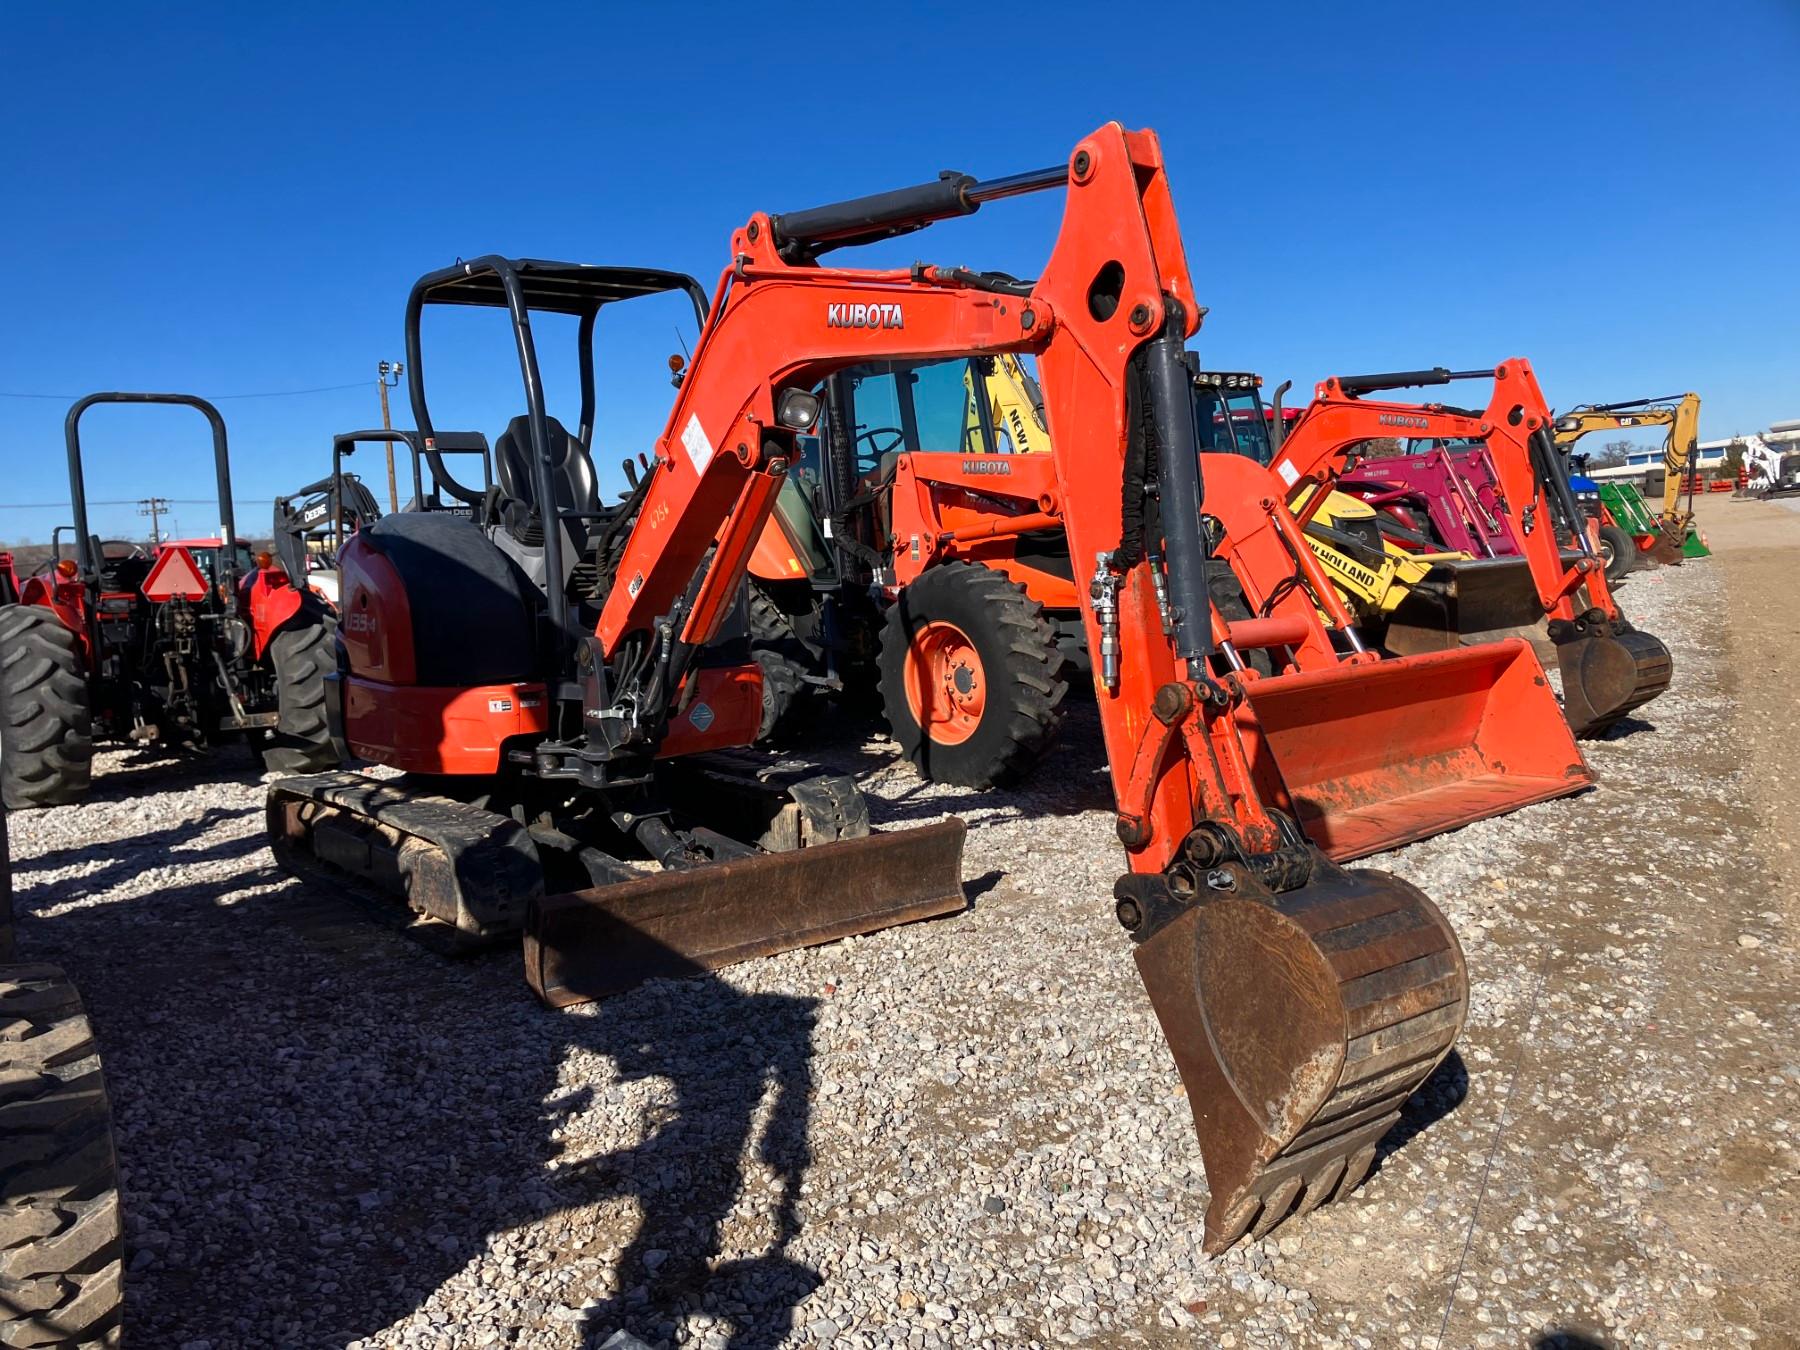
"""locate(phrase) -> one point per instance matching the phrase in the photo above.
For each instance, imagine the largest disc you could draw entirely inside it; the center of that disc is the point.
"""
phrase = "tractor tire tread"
(302, 655)
(61, 1243)
(46, 720)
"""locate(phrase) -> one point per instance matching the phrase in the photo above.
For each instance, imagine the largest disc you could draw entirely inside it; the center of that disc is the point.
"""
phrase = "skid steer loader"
(557, 669)
(1558, 598)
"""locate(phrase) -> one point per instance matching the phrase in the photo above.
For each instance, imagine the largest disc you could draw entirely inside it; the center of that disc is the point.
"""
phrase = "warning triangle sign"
(175, 576)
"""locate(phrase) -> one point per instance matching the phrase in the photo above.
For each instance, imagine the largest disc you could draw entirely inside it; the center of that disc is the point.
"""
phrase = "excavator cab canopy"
(541, 469)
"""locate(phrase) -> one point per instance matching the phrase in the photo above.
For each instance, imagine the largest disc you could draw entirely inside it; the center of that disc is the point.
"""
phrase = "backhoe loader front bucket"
(1461, 603)
(1300, 1021)
(1369, 757)
(585, 945)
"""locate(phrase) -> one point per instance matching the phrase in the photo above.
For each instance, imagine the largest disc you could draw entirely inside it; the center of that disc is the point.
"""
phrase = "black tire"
(1618, 550)
(61, 1248)
(784, 659)
(1019, 661)
(46, 721)
(302, 655)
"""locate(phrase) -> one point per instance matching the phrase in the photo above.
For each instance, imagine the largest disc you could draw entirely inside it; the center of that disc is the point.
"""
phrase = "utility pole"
(388, 375)
(154, 508)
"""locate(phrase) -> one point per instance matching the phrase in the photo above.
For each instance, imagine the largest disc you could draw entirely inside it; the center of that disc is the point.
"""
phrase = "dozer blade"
(1608, 668)
(1463, 603)
(1301, 1023)
(587, 944)
(1369, 757)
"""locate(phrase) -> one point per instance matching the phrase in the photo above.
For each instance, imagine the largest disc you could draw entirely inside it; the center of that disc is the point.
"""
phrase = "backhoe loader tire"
(302, 656)
(46, 721)
(1619, 551)
(971, 653)
(61, 1248)
(782, 657)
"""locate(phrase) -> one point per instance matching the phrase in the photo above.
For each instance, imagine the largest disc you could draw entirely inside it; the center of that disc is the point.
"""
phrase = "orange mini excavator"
(1608, 667)
(552, 675)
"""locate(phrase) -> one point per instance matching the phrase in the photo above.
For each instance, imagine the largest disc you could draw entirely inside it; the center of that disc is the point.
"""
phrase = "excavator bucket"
(1369, 757)
(1301, 1022)
(1608, 668)
(585, 945)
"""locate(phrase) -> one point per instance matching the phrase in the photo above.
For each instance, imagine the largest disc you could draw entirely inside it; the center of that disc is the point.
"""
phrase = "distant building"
(1647, 463)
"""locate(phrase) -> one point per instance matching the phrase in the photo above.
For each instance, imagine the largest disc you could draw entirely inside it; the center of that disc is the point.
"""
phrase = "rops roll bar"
(90, 565)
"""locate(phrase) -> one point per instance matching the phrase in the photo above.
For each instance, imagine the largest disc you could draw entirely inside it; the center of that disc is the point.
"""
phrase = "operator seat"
(576, 485)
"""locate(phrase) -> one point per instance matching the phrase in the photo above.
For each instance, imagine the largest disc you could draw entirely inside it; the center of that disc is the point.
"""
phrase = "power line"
(216, 398)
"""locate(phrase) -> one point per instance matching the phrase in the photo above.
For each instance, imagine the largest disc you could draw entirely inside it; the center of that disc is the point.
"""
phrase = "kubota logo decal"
(864, 316)
(1403, 420)
(986, 466)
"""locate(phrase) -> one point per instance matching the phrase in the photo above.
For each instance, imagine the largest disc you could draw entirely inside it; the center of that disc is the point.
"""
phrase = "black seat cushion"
(472, 608)
(577, 487)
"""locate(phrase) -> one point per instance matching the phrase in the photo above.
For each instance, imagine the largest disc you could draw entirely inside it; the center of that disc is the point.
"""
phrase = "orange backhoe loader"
(969, 552)
(1608, 667)
(1302, 1002)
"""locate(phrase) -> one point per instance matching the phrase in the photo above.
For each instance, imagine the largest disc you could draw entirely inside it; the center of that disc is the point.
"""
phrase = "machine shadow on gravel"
(320, 1124)
(1436, 1097)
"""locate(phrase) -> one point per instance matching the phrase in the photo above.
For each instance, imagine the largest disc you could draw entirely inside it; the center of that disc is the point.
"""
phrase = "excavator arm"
(1679, 413)
(1302, 1003)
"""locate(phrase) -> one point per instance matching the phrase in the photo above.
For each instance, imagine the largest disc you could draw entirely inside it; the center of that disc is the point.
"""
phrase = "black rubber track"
(61, 1247)
(1619, 550)
(302, 655)
(1021, 662)
(45, 718)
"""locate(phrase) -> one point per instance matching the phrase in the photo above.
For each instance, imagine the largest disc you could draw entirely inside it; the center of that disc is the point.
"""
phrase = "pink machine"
(1443, 498)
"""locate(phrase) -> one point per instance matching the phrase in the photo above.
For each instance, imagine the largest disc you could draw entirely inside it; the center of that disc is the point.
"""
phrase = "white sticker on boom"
(500, 705)
(699, 449)
(1287, 472)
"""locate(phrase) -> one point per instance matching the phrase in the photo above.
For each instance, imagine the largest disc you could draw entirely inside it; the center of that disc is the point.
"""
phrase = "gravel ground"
(961, 1133)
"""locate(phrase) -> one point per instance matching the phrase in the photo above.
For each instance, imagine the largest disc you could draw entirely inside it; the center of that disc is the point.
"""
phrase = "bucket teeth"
(1301, 1023)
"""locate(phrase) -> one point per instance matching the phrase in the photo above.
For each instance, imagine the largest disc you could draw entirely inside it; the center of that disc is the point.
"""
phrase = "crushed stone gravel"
(959, 1133)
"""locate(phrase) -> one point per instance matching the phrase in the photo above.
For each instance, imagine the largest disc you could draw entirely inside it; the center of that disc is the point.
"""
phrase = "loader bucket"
(1466, 602)
(1608, 668)
(1369, 757)
(1301, 1022)
(585, 945)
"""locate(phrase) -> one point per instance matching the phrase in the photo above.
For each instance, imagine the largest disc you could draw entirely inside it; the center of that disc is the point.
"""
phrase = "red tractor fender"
(273, 600)
(68, 601)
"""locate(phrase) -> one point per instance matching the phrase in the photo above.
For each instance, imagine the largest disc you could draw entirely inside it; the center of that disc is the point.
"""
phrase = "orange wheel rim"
(946, 687)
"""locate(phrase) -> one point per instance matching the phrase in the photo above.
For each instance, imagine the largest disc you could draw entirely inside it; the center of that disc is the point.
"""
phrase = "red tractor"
(194, 646)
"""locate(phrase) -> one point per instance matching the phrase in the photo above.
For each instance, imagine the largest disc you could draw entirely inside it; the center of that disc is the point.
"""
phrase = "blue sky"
(235, 199)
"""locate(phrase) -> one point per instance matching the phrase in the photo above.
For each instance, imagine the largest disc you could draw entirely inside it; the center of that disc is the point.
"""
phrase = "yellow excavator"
(1680, 414)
